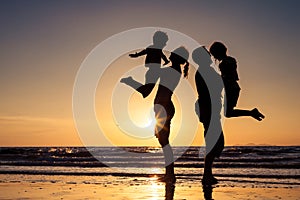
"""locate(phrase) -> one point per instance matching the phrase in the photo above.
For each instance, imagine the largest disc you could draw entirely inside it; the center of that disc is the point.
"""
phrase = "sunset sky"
(43, 44)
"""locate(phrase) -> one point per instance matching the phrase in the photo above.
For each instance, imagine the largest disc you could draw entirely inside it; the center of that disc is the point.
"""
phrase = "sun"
(143, 117)
(149, 121)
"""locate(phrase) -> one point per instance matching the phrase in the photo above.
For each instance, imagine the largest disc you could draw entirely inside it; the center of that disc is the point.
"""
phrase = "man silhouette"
(208, 107)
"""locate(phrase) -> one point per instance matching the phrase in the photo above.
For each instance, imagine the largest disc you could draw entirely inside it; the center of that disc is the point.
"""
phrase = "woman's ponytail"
(186, 69)
(181, 56)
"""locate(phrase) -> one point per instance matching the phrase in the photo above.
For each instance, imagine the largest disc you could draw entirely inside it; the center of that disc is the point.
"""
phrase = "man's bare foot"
(209, 180)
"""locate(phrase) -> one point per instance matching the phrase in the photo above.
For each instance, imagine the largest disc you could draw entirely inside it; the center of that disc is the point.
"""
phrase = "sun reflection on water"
(156, 189)
(156, 171)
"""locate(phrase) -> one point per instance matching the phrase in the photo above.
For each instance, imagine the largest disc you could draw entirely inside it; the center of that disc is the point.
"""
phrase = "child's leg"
(231, 98)
(131, 82)
(239, 113)
(231, 111)
(151, 78)
(145, 90)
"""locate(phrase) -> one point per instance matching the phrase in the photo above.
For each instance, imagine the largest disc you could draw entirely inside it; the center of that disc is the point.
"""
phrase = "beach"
(121, 187)
(255, 172)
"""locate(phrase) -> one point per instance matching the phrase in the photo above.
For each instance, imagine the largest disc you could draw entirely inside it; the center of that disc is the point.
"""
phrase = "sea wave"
(193, 157)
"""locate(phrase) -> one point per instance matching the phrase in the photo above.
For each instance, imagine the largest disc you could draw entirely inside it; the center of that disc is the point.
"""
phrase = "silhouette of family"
(209, 84)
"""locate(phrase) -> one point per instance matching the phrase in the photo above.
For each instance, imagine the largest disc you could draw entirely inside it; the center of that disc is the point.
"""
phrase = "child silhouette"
(228, 68)
(154, 55)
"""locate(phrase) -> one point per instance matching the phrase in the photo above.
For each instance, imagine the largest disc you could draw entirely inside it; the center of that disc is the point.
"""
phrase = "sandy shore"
(125, 188)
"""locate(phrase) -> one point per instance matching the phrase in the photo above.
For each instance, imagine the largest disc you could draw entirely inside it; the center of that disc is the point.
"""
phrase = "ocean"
(272, 165)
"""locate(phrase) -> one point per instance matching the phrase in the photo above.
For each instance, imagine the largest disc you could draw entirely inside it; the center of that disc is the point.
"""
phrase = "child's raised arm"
(137, 54)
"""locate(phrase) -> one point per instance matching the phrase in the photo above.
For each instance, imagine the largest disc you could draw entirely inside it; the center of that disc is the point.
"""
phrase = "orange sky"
(44, 44)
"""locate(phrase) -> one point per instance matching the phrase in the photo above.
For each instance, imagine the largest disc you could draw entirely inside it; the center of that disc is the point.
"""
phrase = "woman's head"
(180, 56)
(218, 50)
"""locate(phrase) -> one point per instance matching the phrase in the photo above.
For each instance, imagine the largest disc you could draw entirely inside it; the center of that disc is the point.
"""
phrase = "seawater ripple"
(261, 162)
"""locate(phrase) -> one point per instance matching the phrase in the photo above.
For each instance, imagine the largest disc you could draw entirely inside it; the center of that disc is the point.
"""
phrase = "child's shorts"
(231, 96)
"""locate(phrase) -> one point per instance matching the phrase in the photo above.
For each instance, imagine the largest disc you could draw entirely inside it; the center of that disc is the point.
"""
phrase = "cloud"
(29, 119)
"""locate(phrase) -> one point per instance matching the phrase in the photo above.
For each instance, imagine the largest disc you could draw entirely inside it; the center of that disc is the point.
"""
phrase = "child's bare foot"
(126, 80)
(257, 115)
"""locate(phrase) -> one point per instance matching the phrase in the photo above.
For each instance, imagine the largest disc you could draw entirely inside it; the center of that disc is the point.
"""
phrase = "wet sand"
(125, 188)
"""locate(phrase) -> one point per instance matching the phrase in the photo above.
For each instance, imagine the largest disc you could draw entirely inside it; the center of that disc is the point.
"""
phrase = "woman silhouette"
(163, 106)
